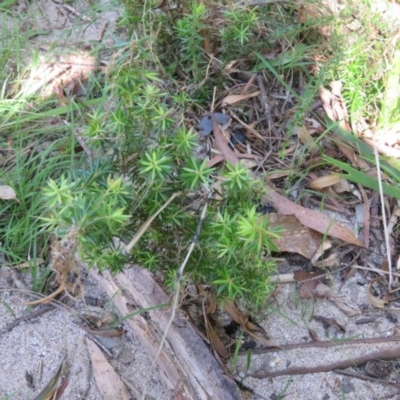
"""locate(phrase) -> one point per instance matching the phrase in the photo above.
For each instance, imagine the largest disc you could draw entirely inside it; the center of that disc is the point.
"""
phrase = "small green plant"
(92, 204)
(188, 30)
(238, 34)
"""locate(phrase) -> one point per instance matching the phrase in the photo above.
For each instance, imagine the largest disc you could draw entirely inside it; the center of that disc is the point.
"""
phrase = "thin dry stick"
(385, 228)
(264, 100)
(377, 271)
(390, 354)
(366, 378)
(146, 224)
(176, 297)
(323, 344)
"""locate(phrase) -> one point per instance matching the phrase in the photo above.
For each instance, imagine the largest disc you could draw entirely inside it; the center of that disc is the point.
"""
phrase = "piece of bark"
(186, 366)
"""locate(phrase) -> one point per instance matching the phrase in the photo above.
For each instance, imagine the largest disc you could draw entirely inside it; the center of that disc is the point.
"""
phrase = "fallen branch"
(327, 343)
(186, 365)
(175, 301)
(386, 355)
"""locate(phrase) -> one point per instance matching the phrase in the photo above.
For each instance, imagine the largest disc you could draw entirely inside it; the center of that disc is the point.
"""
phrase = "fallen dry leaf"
(342, 186)
(310, 280)
(312, 219)
(328, 322)
(248, 163)
(47, 299)
(279, 174)
(301, 275)
(296, 238)
(216, 342)
(377, 301)
(334, 106)
(243, 320)
(324, 181)
(325, 245)
(108, 382)
(215, 160)
(382, 148)
(304, 136)
(50, 390)
(325, 291)
(222, 144)
(7, 193)
(313, 335)
(236, 98)
(330, 261)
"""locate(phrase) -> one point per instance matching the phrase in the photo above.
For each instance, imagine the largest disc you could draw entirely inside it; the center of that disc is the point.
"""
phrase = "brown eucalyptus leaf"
(324, 181)
(216, 342)
(222, 144)
(313, 219)
(296, 238)
(236, 98)
(304, 136)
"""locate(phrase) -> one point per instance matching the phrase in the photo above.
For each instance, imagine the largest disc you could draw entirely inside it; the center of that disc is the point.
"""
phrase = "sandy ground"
(37, 347)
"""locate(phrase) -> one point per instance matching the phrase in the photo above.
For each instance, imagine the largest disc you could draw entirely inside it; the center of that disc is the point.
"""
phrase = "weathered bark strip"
(187, 367)
(391, 354)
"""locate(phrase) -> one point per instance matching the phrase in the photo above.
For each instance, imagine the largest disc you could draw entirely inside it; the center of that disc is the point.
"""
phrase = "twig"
(85, 147)
(73, 11)
(264, 100)
(176, 296)
(102, 31)
(350, 362)
(385, 228)
(377, 271)
(367, 378)
(254, 3)
(322, 344)
(34, 314)
(146, 224)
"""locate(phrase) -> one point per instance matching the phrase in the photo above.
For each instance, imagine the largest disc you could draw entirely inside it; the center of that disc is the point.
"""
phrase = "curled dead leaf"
(377, 301)
(7, 193)
(342, 186)
(216, 342)
(243, 320)
(47, 299)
